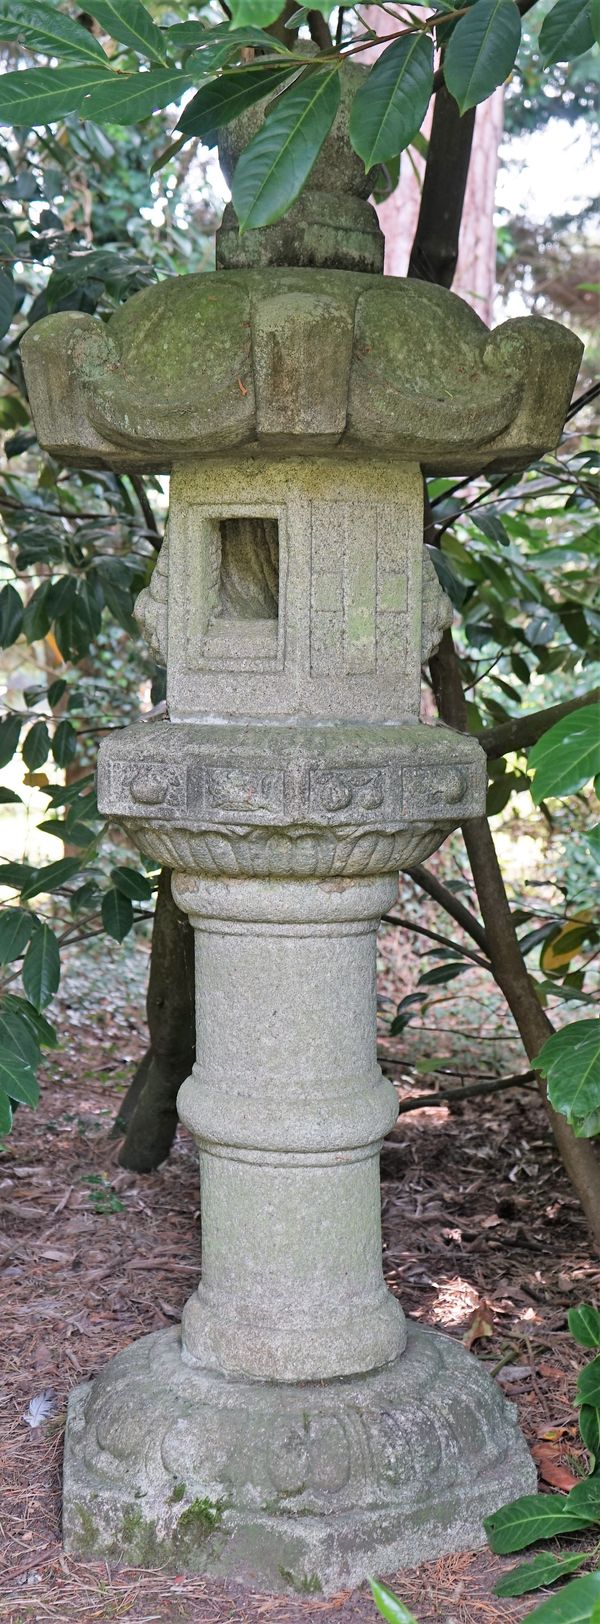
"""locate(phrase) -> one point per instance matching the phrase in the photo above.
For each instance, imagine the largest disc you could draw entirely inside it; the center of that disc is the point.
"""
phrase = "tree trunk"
(579, 1156)
(474, 277)
(148, 1113)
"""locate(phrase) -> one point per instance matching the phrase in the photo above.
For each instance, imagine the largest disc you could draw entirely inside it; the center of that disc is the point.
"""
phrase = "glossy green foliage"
(79, 548)
(146, 66)
(388, 110)
(570, 1060)
(389, 1605)
(568, 755)
(538, 1517)
(271, 172)
(544, 1570)
(481, 51)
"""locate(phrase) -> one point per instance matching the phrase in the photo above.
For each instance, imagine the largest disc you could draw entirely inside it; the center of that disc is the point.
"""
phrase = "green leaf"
(223, 100)
(117, 914)
(16, 925)
(5, 1113)
(389, 1605)
(8, 299)
(18, 1038)
(499, 793)
(545, 1569)
(131, 883)
(11, 615)
(589, 1427)
(482, 50)
(130, 23)
(64, 743)
(588, 1126)
(10, 730)
(272, 170)
(9, 796)
(36, 614)
(584, 1325)
(41, 95)
(258, 12)
(595, 20)
(490, 525)
(533, 1517)
(88, 611)
(56, 691)
(588, 1387)
(585, 1497)
(44, 28)
(442, 973)
(389, 108)
(573, 1605)
(126, 98)
(44, 1033)
(41, 967)
(386, 179)
(566, 32)
(23, 1085)
(36, 746)
(62, 595)
(50, 877)
(75, 834)
(568, 755)
(570, 1060)
(16, 875)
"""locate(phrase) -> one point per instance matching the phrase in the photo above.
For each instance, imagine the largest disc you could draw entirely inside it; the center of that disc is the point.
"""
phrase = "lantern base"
(288, 1486)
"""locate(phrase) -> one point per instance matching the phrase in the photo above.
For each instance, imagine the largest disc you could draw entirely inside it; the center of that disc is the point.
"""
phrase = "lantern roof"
(284, 361)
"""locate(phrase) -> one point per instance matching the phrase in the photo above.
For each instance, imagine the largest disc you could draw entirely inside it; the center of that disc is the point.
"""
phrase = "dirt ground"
(483, 1238)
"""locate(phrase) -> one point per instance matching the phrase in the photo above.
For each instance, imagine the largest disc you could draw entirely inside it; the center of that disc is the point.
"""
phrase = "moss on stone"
(305, 1584)
(138, 1538)
(87, 1542)
(200, 1518)
(177, 1493)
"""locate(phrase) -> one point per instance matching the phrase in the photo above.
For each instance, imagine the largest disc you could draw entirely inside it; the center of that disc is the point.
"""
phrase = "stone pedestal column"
(289, 1108)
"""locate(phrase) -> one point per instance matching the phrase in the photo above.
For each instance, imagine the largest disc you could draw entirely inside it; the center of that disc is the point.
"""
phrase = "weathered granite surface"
(290, 1487)
(332, 363)
(325, 598)
(224, 798)
(332, 225)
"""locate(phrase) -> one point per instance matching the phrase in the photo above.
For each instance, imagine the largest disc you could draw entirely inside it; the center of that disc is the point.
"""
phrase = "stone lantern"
(295, 1431)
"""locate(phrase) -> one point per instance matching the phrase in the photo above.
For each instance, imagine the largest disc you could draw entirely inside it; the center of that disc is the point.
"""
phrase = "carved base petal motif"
(262, 853)
(305, 1488)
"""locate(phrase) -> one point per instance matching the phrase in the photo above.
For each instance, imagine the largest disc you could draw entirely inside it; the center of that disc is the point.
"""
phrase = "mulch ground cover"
(483, 1239)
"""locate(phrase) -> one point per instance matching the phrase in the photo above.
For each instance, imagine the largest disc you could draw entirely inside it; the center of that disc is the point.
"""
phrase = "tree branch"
(319, 30)
(451, 904)
(522, 731)
(434, 936)
(151, 525)
(447, 1096)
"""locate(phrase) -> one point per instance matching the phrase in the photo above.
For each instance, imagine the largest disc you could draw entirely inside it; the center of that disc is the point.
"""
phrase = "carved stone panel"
(295, 590)
(364, 577)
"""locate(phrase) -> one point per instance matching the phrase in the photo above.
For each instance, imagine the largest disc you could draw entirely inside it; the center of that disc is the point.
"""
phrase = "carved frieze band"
(208, 789)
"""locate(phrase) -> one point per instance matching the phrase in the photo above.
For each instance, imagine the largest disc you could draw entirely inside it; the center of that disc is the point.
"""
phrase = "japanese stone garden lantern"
(295, 1431)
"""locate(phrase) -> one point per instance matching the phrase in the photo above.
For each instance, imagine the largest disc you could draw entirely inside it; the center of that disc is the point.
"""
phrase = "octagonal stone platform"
(296, 1486)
